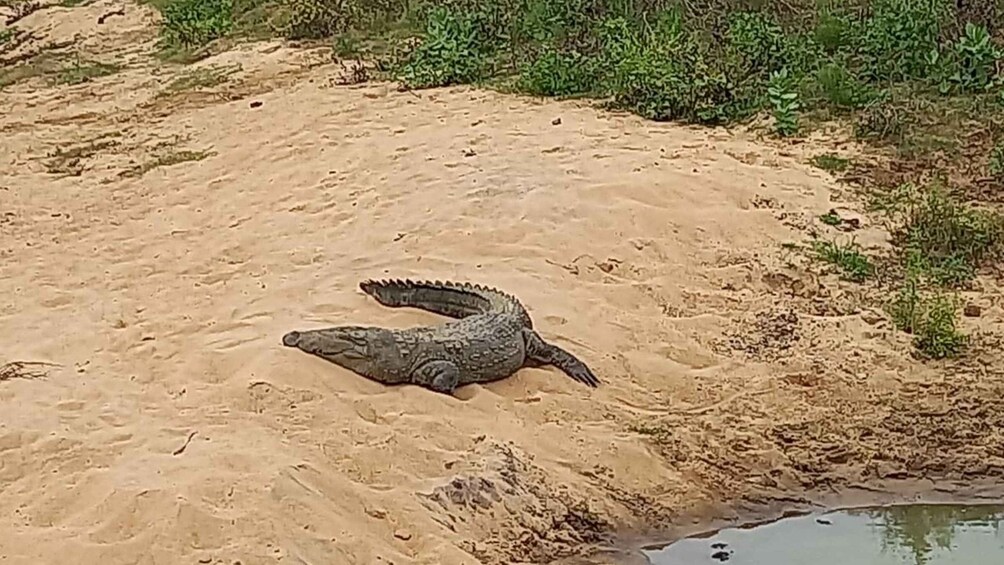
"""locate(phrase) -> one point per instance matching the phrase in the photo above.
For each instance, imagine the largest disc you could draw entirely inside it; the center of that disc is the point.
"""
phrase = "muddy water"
(915, 534)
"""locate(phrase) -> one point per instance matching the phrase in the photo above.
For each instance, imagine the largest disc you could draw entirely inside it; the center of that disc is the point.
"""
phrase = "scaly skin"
(490, 337)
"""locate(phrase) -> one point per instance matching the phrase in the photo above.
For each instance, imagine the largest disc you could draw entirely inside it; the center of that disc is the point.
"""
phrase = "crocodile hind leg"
(439, 376)
(539, 353)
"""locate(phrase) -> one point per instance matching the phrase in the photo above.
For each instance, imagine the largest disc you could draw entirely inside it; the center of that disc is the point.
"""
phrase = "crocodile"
(489, 337)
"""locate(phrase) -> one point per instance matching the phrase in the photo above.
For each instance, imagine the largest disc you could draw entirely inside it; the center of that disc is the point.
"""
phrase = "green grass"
(831, 218)
(80, 71)
(853, 265)
(943, 239)
(931, 318)
(831, 163)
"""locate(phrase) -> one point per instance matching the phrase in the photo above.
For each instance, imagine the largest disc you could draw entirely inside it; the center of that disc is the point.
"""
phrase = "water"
(915, 534)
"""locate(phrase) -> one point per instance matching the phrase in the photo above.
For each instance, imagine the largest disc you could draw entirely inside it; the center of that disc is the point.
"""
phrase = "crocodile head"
(366, 351)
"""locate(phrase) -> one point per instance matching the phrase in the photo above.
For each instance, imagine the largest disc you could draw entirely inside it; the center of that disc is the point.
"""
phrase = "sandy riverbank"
(157, 241)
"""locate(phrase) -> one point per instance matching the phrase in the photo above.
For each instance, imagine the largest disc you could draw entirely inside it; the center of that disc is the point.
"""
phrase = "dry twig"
(24, 370)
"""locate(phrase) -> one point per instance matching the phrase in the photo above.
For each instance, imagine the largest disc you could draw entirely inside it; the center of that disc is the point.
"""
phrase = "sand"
(175, 427)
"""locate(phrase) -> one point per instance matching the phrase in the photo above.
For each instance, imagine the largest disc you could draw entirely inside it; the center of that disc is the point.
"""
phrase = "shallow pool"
(913, 534)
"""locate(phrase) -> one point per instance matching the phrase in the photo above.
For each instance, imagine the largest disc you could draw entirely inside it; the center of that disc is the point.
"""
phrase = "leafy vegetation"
(190, 24)
(854, 265)
(930, 318)
(832, 163)
(942, 244)
(664, 60)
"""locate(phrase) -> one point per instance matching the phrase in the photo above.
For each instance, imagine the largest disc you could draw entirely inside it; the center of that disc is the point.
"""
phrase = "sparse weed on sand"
(79, 71)
(166, 158)
(853, 264)
(930, 317)
(939, 245)
(69, 160)
(200, 78)
(831, 163)
(943, 239)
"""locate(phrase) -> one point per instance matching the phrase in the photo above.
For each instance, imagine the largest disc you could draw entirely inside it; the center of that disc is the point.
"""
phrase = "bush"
(970, 64)
(667, 74)
(931, 320)
(898, 37)
(556, 73)
(661, 59)
(949, 240)
(842, 88)
(190, 24)
(453, 51)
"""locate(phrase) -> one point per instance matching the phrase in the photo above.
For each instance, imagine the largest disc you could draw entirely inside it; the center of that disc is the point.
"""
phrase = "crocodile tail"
(456, 300)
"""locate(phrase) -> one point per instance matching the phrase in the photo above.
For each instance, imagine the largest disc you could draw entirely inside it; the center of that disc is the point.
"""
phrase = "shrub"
(191, 24)
(970, 64)
(784, 102)
(667, 74)
(452, 52)
(896, 40)
(931, 320)
(840, 87)
(853, 264)
(947, 240)
(556, 73)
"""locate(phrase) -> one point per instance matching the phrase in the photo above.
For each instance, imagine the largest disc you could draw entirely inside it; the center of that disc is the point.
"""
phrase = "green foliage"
(784, 102)
(832, 31)
(657, 59)
(314, 19)
(997, 160)
(842, 88)
(452, 52)
(832, 163)
(971, 62)
(665, 73)
(932, 320)
(853, 264)
(556, 73)
(896, 40)
(758, 44)
(946, 240)
(831, 218)
(190, 24)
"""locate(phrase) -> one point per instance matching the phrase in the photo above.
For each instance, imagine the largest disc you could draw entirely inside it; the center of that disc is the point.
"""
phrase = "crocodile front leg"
(539, 352)
(439, 376)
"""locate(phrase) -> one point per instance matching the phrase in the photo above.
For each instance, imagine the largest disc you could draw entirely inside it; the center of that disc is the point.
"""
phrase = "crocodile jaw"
(366, 351)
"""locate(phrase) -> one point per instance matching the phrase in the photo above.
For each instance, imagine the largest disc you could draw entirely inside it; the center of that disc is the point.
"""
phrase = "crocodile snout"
(291, 339)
